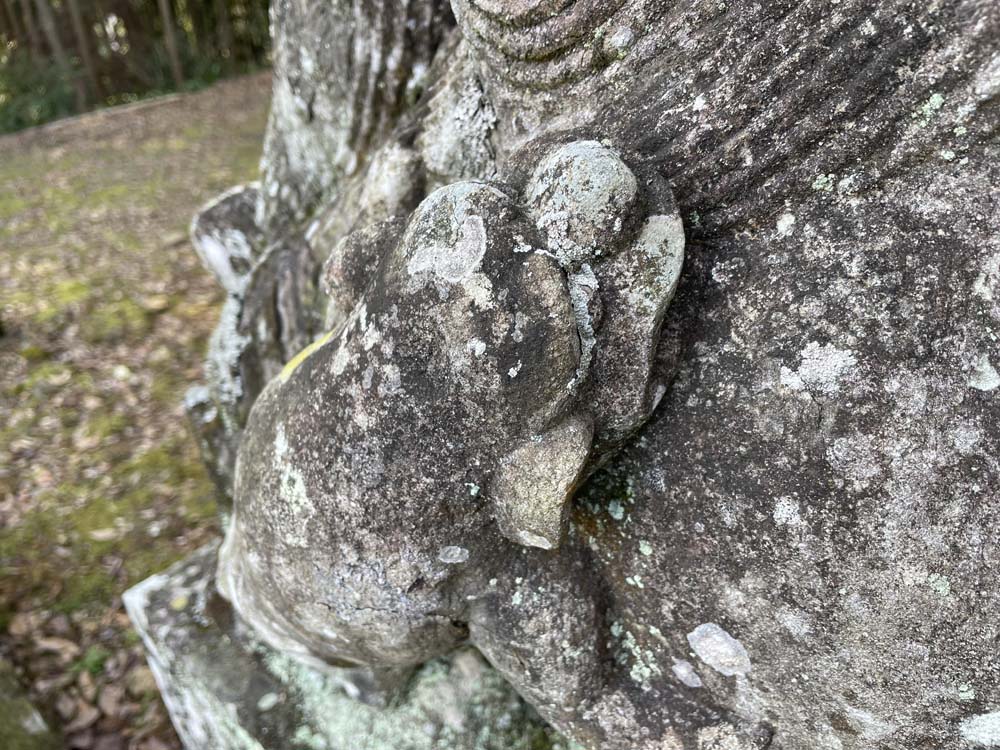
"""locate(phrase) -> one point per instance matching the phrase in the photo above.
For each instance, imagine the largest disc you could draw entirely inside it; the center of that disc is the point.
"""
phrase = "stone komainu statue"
(452, 402)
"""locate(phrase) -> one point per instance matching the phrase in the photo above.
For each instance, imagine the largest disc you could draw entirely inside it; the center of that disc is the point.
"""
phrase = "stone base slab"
(226, 690)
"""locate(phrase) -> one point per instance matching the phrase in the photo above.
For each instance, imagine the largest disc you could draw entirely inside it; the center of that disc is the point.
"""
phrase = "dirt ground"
(105, 313)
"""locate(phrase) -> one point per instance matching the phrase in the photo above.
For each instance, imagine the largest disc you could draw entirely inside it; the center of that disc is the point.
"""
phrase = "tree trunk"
(83, 40)
(34, 40)
(170, 40)
(139, 68)
(14, 24)
(227, 50)
(51, 30)
(451, 303)
(192, 19)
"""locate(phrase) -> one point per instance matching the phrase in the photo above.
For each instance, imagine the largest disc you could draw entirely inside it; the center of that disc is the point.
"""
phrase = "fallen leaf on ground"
(65, 648)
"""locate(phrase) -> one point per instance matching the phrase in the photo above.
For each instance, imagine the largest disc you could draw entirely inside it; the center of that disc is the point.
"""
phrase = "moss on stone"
(21, 725)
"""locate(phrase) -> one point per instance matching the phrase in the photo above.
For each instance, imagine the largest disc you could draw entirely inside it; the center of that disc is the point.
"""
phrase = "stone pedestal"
(226, 690)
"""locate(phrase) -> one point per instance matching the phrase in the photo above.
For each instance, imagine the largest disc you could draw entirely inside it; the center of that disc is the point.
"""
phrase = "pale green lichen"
(268, 701)
(928, 109)
(423, 718)
(966, 692)
(824, 183)
(313, 740)
(641, 662)
(939, 584)
(656, 633)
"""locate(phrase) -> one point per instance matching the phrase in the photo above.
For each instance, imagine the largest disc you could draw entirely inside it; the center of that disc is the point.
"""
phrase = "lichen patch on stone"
(982, 730)
(685, 672)
(822, 369)
(984, 376)
(719, 650)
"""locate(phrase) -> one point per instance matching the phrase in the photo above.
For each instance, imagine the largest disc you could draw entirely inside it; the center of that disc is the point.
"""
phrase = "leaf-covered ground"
(105, 313)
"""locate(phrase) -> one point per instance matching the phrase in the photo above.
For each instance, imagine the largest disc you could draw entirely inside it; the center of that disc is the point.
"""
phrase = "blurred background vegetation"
(105, 312)
(60, 57)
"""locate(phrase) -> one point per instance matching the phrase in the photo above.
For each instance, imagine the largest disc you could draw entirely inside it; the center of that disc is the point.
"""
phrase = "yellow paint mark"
(301, 357)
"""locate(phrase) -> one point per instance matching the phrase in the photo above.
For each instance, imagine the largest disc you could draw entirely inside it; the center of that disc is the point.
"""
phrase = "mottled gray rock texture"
(762, 516)
(227, 690)
(490, 364)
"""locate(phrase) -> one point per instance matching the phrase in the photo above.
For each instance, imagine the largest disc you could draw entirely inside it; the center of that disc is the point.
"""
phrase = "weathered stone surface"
(227, 237)
(226, 690)
(382, 470)
(345, 72)
(799, 546)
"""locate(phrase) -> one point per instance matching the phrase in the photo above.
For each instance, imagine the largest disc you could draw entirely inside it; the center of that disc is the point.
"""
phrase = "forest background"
(61, 57)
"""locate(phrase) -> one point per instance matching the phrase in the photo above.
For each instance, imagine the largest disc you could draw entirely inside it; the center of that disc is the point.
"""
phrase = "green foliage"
(31, 94)
(92, 661)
